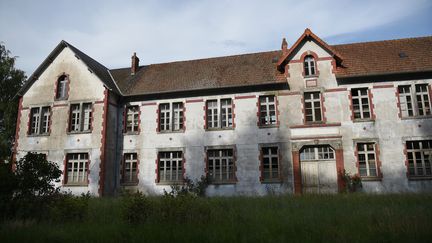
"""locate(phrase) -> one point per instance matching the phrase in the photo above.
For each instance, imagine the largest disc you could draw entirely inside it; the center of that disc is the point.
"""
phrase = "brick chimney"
(135, 64)
(284, 46)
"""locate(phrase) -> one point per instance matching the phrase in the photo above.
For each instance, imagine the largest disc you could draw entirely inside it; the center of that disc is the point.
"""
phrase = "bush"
(136, 207)
(352, 182)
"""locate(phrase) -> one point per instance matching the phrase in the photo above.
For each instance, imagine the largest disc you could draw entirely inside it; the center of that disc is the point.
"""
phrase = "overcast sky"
(164, 31)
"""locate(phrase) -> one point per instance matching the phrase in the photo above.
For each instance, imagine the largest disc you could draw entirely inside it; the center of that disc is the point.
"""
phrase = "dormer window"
(62, 87)
(309, 66)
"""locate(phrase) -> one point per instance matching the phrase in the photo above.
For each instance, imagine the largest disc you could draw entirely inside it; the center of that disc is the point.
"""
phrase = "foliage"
(11, 80)
(191, 188)
(353, 183)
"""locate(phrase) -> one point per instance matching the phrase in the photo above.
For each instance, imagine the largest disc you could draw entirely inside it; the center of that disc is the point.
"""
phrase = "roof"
(98, 69)
(384, 57)
(219, 72)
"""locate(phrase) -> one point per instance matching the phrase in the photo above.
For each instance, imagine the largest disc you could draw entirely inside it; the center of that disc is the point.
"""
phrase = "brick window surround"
(361, 104)
(171, 117)
(170, 167)
(80, 117)
(315, 57)
(268, 111)
(414, 100)
(39, 120)
(368, 160)
(76, 169)
(219, 114)
(313, 108)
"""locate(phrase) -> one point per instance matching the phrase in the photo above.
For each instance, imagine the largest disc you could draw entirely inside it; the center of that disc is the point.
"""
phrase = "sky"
(165, 31)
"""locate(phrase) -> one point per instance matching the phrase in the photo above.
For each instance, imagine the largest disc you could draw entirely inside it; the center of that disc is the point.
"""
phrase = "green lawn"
(315, 218)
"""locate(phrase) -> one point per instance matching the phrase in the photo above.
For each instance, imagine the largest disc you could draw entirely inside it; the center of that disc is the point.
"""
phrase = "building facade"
(285, 121)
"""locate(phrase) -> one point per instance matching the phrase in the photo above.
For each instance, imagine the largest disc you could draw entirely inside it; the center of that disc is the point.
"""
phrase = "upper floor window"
(367, 161)
(312, 102)
(130, 168)
(80, 117)
(171, 117)
(77, 168)
(170, 167)
(220, 165)
(219, 113)
(360, 102)
(419, 155)
(414, 100)
(132, 118)
(270, 163)
(39, 120)
(309, 66)
(267, 110)
(62, 87)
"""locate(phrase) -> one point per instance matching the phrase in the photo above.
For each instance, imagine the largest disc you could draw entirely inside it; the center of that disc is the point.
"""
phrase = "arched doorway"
(318, 169)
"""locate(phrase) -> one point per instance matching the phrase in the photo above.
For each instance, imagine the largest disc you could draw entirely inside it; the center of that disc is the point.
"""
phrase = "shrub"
(191, 188)
(352, 182)
(136, 207)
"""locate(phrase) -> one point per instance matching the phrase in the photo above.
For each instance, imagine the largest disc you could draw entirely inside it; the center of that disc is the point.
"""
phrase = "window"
(367, 160)
(62, 87)
(80, 117)
(414, 100)
(132, 118)
(39, 120)
(360, 102)
(419, 155)
(77, 168)
(309, 66)
(270, 164)
(267, 110)
(219, 113)
(170, 167)
(312, 101)
(130, 170)
(321, 152)
(171, 117)
(220, 164)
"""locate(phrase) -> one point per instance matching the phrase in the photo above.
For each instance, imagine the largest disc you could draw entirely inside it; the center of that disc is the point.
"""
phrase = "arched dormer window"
(309, 66)
(62, 87)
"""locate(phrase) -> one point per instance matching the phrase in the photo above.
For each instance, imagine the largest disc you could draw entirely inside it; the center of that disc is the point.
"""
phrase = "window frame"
(313, 108)
(79, 160)
(170, 113)
(133, 178)
(365, 152)
(409, 101)
(62, 83)
(77, 117)
(267, 111)
(135, 123)
(162, 162)
(270, 156)
(220, 156)
(423, 151)
(222, 112)
(40, 121)
(309, 65)
(359, 97)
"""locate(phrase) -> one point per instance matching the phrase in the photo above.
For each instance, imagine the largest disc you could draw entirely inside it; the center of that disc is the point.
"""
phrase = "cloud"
(162, 31)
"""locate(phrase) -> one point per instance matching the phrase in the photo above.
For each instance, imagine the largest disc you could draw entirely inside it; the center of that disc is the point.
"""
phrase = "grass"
(309, 218)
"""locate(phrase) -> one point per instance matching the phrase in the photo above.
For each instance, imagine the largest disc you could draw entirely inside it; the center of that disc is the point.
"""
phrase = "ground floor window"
(220, 164)
(170, 167)
(77, 168)
(270, 164)
(419, 155)
(130, 168)
(367, 162)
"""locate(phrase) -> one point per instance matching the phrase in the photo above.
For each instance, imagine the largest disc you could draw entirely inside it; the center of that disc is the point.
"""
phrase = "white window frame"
(62, 84)
(317, 153)
(313, 108)
(363, 107)
(130, 168)
(77, 168)
(421, 153)
(414, 103)
(171, 117)
(367, 161)
(309, 66)
(80, 117)
(269, 156)
(40, 120)
(225, 171)
(170, 167)
(220, 114)
(132, 118)
(268, 110)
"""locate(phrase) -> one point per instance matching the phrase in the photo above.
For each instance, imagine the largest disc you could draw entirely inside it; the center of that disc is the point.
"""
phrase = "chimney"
(284, 46)
(135, 64)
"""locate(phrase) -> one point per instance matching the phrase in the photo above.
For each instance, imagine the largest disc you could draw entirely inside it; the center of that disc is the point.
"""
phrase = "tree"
(11, 80)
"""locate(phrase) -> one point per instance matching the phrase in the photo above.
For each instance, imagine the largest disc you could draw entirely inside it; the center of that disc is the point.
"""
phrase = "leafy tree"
(11, 80)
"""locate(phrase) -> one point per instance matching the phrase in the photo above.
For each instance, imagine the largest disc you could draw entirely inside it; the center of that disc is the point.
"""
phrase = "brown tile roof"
(359, 59)
(383, 57)
(230, 71)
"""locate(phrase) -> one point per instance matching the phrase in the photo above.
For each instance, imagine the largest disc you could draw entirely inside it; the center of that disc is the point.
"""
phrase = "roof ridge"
(380, 41)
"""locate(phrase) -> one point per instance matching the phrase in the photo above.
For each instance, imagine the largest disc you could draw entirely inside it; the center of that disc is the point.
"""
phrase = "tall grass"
(309, 218)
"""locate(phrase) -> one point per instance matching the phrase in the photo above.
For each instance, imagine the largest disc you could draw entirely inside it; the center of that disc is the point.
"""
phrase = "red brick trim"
(284, 93)
(371, 104)
(59, 105)
(383, 86)
(297, 172)
(194, 100)
(148, 104)
(316, 137)
(340, 169)
(99, 102)
(158, 119)
(184, 117)
(338, 124)
(103, 143)
(205, 114)
(17, 130)
(315, 56)
(335, 90)
(245, 97)
(233, 113)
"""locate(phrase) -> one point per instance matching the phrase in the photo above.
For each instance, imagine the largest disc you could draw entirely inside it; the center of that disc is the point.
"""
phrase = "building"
(288, 121)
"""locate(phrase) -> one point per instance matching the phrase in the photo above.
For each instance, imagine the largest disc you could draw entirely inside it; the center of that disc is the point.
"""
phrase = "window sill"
(419, 178)
(268, 126)
(416, 117)
(216, 183)
(170, 183)
(130, 133)
(61, 99)
(363, 120)
(76, 185)
(38, 135)
(310, 76)
(85, 132)
(170, 131)
(321, 124)
(371, 178)
(275, 181)
(219, 129)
